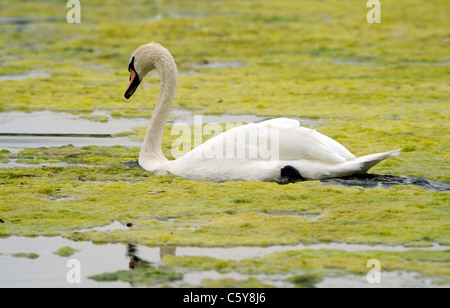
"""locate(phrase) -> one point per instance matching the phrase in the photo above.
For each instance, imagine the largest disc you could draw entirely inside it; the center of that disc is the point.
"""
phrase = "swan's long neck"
(151, 154)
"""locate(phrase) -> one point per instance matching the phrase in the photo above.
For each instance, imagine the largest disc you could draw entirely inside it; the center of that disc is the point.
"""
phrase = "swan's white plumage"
(241, 153)
(314, 155)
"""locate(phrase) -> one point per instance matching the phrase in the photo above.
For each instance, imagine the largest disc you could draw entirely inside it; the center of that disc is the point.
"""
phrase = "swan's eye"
(131, 65)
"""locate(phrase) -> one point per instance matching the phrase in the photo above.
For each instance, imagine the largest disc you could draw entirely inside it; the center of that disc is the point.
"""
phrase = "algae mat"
(372, 87)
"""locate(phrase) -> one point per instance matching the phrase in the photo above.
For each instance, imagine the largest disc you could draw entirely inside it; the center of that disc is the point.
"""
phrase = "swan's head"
(141, 63)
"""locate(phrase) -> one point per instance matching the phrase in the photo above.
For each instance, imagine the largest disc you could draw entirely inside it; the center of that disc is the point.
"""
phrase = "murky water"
(45, 128)
(20, 130)
(48, 122)
(366, 181)
(395, 279)
(50, 270)
(386, 181)
(16, 144)
(218, 64)
(14, 164)
(30, 74)
(25, 21)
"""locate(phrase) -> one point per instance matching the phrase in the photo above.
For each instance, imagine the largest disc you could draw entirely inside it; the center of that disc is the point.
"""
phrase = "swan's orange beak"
(134, 83)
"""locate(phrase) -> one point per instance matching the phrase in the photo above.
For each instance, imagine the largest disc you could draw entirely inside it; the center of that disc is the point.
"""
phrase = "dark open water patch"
(386, 181)
(369, 181)
(132, 164)
(25, 21)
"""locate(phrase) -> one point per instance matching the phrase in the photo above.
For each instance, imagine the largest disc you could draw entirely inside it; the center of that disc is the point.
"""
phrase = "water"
(14, 164)
(20, 130)
(25, 21)
(16, 144)
(218, 64)
(46, 128)
(30, 74)
(50, 270)
(386, 181)
(366, 181)
(48, 122)
(394, 279)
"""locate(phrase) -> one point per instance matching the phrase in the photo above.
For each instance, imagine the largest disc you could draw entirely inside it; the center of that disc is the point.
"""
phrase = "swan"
(278, 150)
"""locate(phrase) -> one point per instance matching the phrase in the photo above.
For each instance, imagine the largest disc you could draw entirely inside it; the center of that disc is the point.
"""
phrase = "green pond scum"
(141, 276)
(374, 88)
(30, 255)
(65, 251)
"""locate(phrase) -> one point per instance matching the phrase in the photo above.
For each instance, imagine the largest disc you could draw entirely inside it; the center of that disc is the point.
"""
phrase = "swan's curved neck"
(151, 154)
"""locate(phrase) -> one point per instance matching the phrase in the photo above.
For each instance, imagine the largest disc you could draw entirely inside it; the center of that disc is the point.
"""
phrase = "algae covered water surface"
(372, 87)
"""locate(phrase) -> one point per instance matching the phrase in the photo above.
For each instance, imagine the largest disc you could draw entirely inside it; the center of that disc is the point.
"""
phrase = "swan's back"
(275, 139)
(297, 142)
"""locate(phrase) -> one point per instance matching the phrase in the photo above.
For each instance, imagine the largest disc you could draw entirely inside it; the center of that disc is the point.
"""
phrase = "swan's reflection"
(137, 262)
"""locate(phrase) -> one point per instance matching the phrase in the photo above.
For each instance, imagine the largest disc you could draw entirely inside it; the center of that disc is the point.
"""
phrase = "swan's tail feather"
(371, 160)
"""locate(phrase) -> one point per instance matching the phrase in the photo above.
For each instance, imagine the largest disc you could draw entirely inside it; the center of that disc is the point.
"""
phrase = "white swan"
(275, 150)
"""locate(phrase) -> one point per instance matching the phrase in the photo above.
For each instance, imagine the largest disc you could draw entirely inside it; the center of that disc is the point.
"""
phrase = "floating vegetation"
(141, 276)
(372, 87)
(65, 251)
(29, 255)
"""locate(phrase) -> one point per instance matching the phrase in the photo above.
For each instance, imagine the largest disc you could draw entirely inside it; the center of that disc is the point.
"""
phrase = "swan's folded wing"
(280, 139)
(297, 142)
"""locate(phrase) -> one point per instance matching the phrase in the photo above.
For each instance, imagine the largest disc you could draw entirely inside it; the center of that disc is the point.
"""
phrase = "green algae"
(30, 255)
(65, 251)
(305, 280)
(375, 87)
(63, 200)
(233, 283)
(97, 118)
(92, 155)
(298, 268)
(141, 276)
(308, 267)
